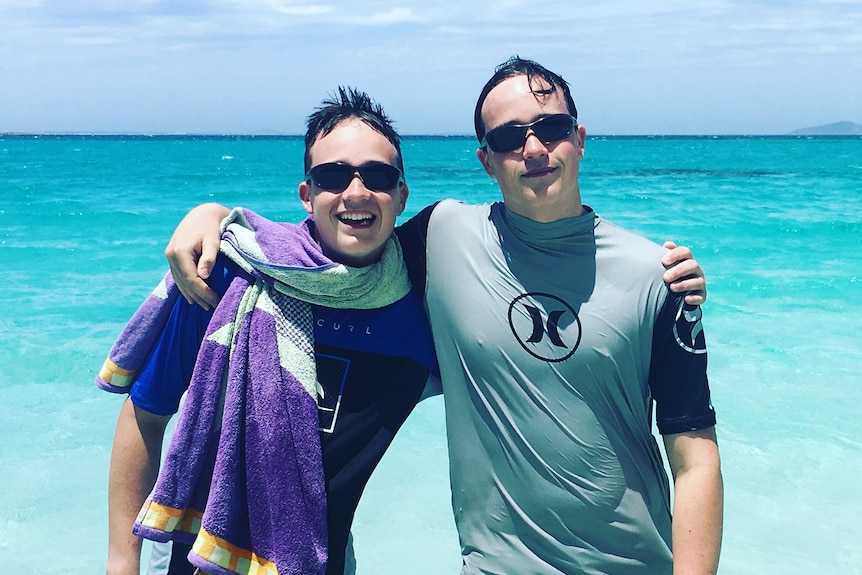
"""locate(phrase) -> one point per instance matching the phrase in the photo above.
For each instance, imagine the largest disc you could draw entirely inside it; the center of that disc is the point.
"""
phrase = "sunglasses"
(511, 137)
(336, 176)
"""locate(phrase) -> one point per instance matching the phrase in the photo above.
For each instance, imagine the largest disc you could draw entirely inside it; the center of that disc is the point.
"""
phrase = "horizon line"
(18, 134)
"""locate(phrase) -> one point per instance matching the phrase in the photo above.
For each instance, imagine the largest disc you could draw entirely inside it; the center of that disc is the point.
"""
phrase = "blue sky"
(260, 66)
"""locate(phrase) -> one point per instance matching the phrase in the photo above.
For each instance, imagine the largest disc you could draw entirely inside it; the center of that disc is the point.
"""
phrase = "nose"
(533, 146)
(356, 189)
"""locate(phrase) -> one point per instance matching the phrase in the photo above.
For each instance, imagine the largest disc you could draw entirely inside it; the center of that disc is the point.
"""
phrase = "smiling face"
(539, 181)
(352, 225)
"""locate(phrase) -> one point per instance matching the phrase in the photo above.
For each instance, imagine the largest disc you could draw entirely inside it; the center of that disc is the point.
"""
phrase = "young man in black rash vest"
(372, 364)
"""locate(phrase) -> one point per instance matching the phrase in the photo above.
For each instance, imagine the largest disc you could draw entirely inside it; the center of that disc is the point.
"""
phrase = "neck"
(545, 214)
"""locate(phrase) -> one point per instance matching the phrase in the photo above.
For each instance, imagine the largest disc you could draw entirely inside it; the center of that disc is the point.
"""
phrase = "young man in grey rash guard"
(556, 336)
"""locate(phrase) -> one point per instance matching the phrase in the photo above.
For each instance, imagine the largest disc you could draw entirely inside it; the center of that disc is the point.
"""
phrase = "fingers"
(210, 247)
(684, 274)
(693, 286)
(678, 270)
(184, 269)
(196, 291)
(696, 298)
(675, 255)
(185, 274)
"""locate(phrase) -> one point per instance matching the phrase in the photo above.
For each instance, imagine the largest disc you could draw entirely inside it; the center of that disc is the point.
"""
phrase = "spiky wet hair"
(345, 104)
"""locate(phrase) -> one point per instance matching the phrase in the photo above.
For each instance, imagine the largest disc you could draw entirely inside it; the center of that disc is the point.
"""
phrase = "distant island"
(836, 129)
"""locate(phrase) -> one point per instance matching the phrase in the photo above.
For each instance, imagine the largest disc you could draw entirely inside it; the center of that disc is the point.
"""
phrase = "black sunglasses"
(510, 137)
(336, 176)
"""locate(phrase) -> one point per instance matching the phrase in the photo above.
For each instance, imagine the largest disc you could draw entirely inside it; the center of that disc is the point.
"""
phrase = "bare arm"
(698, 501)
(192, 252)
(135, 460)
(684, 273)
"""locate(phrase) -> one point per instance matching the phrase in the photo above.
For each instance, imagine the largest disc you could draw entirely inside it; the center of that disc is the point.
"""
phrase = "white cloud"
(393, 16)
(300, 9)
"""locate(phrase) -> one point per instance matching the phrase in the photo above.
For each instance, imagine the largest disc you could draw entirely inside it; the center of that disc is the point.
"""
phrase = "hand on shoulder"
(192, 252)
(683, 273)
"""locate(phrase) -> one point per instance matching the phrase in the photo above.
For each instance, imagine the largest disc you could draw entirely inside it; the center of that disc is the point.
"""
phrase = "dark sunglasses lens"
(506, 138)
(332, 176)
(553, 128)
(379, 177)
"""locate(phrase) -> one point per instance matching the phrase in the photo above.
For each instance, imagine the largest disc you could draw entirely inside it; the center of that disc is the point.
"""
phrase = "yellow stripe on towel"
(228, 556)
(169, 519)
(115, 375)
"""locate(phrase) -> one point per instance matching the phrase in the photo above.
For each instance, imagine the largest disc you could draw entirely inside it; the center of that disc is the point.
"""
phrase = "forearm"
(133, 470)
(697, 521)
(212, 209)
(698, 501)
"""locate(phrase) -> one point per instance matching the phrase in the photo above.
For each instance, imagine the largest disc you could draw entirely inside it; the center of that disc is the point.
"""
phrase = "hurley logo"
(688, 329)
(536, 320)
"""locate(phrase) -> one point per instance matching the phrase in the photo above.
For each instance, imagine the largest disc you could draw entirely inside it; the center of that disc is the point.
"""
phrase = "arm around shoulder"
(192, 252)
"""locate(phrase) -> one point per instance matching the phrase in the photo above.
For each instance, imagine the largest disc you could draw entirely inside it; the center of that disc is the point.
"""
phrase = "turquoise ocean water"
(776, 223)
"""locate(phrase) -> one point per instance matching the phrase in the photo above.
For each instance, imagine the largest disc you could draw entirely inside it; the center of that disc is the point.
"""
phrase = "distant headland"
(836, 129)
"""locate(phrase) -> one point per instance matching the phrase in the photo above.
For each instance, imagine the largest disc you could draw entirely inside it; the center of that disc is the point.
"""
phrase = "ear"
(485, 160)
(582, 139)
(305, 197)
(404, 191)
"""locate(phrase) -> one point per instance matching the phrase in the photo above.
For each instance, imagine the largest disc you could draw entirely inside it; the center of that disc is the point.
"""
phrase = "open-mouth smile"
(356, 219)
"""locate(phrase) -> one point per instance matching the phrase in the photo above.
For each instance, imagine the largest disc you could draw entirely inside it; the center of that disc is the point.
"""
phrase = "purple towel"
(243, 480)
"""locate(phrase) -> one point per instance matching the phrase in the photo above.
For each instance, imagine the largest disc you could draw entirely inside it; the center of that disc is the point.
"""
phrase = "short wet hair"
(345, 104)
(517, 66)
